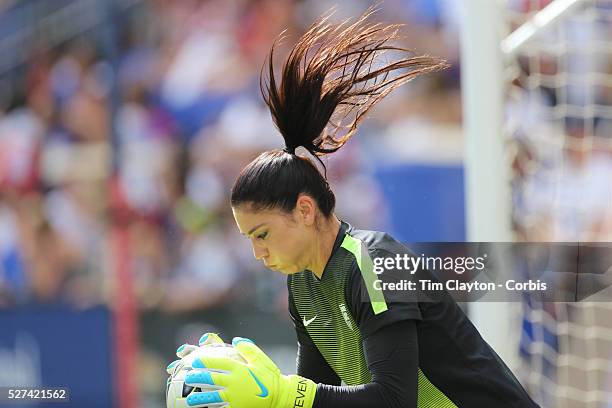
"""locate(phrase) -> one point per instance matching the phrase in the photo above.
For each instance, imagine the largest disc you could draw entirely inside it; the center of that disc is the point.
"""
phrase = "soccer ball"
(176, 389)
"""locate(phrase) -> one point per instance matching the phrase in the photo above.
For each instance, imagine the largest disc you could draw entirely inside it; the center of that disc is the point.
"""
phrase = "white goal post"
(488, 213)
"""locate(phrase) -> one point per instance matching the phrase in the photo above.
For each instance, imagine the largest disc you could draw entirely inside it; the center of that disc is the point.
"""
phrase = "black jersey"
(337, 314)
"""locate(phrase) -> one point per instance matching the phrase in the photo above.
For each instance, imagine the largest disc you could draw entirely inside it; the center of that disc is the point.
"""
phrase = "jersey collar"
(344, 229)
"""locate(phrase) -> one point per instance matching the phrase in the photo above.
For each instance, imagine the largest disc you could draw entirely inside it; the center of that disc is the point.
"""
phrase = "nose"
(259, 252)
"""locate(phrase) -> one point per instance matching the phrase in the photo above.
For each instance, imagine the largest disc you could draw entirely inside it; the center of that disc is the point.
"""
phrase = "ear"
(306, 209)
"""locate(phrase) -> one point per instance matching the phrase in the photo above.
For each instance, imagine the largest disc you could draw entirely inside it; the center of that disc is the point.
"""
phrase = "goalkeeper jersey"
(336, 313)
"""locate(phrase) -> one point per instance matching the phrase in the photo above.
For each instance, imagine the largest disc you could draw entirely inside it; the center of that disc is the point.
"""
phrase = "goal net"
(555, 123)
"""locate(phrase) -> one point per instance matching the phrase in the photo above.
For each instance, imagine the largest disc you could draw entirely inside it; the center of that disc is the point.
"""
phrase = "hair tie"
(290, 150)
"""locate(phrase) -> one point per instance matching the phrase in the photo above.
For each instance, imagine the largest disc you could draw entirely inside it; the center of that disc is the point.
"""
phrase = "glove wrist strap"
(299, 392)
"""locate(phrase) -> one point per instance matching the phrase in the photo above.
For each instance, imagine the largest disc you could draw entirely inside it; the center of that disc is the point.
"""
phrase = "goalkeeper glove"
(186, 349)
(255, 383)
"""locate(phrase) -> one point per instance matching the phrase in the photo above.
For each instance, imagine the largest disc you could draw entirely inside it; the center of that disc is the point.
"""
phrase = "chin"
(286, 271)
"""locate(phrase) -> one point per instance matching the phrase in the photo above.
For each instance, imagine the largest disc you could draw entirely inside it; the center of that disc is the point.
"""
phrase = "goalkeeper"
(357, 347)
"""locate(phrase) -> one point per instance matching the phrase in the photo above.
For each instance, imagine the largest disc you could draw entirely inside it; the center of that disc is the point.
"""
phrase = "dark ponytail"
(332, 77)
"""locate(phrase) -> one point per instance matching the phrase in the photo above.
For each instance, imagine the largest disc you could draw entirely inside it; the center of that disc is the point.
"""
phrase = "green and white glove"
(252, 381)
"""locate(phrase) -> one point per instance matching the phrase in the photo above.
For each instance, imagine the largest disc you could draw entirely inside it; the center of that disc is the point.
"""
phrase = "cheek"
(287, 248)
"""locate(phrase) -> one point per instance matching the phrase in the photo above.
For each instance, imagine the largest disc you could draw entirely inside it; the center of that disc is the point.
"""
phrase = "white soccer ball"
(176, 389)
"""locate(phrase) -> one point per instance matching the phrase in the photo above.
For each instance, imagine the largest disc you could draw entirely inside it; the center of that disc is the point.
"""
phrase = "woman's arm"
(312, 365)
(392, 357)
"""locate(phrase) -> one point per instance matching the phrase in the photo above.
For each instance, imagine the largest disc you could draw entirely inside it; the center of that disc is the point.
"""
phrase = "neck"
(323, 245)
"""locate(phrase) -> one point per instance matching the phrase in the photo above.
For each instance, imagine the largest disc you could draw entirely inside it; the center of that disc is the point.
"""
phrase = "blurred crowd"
(142, 135)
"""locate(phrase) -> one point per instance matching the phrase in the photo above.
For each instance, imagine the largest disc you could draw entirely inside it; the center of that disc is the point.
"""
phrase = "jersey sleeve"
(310, 363)
(400, 305)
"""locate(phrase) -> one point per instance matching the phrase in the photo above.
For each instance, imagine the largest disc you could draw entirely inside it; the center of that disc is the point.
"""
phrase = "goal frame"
(487, 47)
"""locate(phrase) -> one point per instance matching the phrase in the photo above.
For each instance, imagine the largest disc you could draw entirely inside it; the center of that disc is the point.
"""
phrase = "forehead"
(247, 219)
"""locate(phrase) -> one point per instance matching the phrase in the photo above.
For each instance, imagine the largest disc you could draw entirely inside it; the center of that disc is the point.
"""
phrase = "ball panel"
(176, 389)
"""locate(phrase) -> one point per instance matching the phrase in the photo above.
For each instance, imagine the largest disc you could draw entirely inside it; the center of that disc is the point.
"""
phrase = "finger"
(207, 379)
(206, 400)
(185, 350)
(251, 352)
(171, 366)
(215, 363)
(210, 338)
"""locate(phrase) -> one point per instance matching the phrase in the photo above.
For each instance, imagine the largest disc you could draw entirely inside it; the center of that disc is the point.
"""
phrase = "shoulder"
(371, 307)
(379, 243)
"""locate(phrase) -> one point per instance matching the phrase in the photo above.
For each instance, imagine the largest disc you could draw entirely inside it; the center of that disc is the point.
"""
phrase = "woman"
(389, 352)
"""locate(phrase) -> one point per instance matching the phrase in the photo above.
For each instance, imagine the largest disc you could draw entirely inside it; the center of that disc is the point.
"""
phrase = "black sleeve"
(392, 357)
(310, 362)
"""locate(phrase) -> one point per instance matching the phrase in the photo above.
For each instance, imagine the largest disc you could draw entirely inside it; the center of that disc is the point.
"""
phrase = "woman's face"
(279, 239)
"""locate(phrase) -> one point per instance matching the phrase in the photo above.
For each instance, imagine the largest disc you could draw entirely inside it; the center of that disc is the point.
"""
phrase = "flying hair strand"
(333, 76)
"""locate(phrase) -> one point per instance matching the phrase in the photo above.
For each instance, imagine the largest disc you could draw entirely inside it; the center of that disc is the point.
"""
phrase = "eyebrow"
(254, 228)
